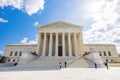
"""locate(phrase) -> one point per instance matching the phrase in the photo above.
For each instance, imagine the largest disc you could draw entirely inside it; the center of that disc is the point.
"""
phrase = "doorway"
(59, 50)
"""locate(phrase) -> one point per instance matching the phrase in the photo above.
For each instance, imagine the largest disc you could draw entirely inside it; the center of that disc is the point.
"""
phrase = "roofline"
(36, 44)
(101, 44)
(20, 44)
(57, 22)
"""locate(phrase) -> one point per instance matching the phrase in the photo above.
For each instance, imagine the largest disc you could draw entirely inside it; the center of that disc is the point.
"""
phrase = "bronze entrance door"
(59, 50)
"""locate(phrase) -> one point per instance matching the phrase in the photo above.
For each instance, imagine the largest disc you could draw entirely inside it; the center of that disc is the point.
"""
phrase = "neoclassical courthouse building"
(60, 43)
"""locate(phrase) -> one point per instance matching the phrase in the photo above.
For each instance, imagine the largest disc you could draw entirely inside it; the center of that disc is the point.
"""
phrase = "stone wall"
(26, 50)
(18, 51)
(105, 51)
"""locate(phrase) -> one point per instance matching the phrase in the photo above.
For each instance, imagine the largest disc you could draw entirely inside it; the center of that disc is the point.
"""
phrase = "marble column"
(80, 43)
(39, 44)
(75, 45)
(56, 45)
(50, 44)
(44, 44)
(63, 44)
(69, 45)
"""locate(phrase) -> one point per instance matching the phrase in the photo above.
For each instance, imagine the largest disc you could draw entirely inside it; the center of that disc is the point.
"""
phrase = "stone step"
(47, 62)
(83, 62)
(5, 64)
(87, 61)
(41, 64)
(56, 63)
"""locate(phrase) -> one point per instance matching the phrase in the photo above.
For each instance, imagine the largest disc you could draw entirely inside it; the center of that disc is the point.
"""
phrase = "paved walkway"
(61, 74)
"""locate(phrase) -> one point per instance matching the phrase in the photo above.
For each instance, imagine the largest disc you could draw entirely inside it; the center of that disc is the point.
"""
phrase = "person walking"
(65, 64)
(106, 64)
(95, 66)
(60, 64)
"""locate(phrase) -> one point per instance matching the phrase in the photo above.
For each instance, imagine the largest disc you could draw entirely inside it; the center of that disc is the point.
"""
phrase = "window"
(16, 53)
(11, 53)
(8, 60)
(104, 53)
(20, 53)
(109, 53)
(100, 53)
(13, 60)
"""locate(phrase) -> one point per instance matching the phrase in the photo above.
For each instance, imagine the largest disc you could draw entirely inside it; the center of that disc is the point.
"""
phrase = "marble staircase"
(87, 61)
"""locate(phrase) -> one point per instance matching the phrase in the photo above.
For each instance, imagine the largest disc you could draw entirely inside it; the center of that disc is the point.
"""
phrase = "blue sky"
(19, 18)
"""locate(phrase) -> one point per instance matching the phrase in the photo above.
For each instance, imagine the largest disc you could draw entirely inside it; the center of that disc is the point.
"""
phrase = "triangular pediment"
(59, 24)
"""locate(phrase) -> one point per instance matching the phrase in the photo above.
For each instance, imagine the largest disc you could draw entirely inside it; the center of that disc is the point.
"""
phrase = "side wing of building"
(106, 51)
(26, 51)
(17, 51)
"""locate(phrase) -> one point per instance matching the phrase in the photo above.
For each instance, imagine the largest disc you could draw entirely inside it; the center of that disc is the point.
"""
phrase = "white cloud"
(33, 6)
(1, 52)
(33, 41)
(106, 25)
(27, 41)
(29, 6)
(24, 40)
(3, 20)
(18, 4)
(36, 23)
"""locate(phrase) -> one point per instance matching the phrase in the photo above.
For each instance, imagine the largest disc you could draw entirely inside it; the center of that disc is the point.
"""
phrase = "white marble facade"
(58, 40)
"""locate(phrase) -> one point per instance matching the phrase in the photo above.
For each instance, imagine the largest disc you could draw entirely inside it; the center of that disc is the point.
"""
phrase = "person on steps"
(65, 64)
(95, 66)
(106, 64)
(60, 64)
